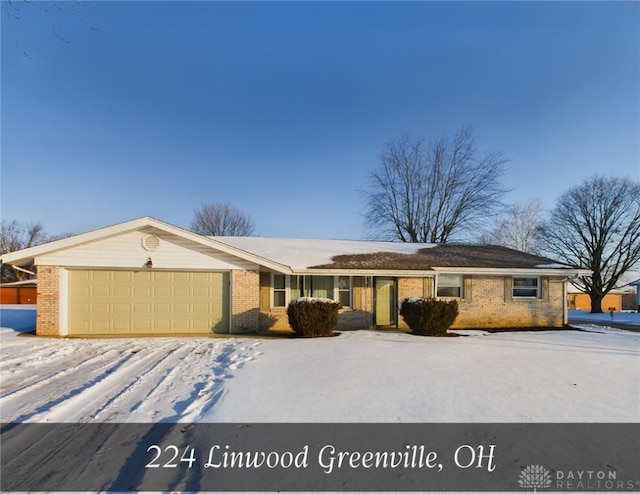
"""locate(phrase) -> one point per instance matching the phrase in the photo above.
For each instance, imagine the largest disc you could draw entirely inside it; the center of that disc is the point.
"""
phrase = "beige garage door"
(147, 302)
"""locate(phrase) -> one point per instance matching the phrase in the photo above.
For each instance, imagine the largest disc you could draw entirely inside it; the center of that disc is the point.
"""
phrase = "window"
(286, 288)
(449, 285)
(296, 288)
(344, 291)
(318, 286)
(279, 291)
(526, 287)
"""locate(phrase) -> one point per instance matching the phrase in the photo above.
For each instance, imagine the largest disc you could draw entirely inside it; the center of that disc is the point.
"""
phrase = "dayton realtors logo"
(538, 477)
(535, 477)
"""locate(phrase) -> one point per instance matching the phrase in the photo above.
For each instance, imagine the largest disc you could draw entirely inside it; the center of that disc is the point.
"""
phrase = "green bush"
(428, 316)
(312, 317)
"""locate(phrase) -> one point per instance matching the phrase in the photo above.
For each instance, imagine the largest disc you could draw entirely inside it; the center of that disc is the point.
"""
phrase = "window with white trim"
(344, 291)
(279, 290)
(319, 286)
(526, 287)
(290, 287)
(449, 285)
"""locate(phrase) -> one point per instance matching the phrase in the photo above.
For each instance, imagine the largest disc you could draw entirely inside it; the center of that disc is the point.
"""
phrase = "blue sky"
(282, 109)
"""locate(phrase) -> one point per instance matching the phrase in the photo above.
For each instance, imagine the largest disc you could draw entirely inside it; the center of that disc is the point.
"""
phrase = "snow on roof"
(302, 253)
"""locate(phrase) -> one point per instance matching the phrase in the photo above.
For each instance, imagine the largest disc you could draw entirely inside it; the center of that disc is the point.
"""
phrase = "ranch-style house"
(147, 277)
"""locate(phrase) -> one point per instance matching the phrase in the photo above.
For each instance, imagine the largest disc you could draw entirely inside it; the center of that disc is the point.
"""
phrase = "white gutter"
(516, 271)
(365, 272)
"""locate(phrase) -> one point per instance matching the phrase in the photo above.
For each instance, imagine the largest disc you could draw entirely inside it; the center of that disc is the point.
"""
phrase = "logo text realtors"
(591, 480)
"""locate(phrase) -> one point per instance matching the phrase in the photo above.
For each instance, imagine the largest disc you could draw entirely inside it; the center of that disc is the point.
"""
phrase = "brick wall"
(245, 300)
(48, 313)
(490, 306)
(409, 287)
(485, 305)
(276, 319)
(359, 316)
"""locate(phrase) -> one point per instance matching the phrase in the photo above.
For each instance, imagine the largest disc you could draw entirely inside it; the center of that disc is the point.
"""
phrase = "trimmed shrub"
(310, 317)
(428, 316)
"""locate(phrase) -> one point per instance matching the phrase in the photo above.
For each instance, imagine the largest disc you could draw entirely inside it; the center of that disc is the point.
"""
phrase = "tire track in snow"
(128, 402)
(86, 402)
(125, 393)
(205, 396)
(26, 404)
(45, 347)
(172, 384)
(100, 380)
(42, 404)
(26, 384)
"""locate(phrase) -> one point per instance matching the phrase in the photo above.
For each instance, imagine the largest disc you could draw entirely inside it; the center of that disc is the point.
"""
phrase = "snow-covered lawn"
(359, 376)
(628, 318)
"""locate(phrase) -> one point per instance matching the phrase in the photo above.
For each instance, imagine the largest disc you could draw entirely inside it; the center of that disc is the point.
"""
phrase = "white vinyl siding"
(127, 251)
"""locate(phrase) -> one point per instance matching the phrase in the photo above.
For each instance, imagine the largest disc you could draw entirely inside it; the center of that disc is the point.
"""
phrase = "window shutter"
(427, 291)
(357, 283)
(545, 288)
(265, 290)
(467, 288)
(508, 288)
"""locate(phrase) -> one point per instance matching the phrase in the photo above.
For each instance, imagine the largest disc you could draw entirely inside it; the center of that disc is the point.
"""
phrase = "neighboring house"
(636, 284)
(149, 277)
(18, 292)
(579, 300)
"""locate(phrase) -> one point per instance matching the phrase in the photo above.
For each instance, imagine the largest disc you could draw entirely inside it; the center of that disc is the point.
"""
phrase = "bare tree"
(427, 192)
(16, 236)
(520, 227)
(50, 12)
(596, 225)
(221, 219)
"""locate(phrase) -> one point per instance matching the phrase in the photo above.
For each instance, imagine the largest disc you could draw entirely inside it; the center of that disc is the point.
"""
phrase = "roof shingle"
(443, 255)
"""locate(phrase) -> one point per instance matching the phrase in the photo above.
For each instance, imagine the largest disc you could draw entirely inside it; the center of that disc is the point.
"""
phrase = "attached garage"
(146, 277)
(127, 302)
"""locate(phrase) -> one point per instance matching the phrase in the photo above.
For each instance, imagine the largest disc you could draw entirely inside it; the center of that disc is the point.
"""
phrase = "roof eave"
(415, 273)
(29, 254)
(568, 271)
(365, 272)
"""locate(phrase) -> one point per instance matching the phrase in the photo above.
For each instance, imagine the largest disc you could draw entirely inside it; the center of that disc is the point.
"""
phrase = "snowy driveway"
(116, 380)
(363, 376)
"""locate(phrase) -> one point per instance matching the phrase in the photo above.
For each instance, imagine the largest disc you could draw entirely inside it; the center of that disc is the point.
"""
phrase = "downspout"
(565, 294)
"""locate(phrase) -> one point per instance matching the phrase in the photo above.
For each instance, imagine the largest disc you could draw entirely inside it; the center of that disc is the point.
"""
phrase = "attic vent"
(150, 242)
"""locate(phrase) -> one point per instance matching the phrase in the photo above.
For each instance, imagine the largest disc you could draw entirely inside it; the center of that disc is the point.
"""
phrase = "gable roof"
(289, 255)
(301, 254)
(26, 255)
(362, 256)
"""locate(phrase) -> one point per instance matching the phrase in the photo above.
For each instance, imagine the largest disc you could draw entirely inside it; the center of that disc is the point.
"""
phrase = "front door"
(385, 302)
